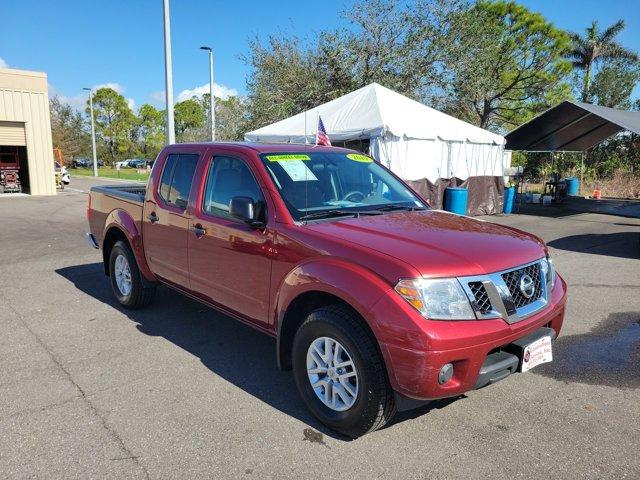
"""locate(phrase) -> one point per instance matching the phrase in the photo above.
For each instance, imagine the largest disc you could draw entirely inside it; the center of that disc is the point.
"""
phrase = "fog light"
(446, 372)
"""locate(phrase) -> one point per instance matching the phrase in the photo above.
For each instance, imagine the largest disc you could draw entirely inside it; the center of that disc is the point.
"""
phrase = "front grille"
(481, 297)
(512, 280)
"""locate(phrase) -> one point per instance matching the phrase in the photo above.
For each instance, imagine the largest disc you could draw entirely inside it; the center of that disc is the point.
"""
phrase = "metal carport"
(571, 127)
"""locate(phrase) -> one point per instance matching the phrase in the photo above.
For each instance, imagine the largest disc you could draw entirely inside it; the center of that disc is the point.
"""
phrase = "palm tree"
(597, 46)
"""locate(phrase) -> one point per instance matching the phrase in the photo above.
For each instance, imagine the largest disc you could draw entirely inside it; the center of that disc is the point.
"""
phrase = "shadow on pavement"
(230, 349)
(620, 244)
(607, 355)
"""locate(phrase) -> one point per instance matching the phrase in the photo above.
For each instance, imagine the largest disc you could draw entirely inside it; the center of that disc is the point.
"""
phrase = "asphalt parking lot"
(177, 390)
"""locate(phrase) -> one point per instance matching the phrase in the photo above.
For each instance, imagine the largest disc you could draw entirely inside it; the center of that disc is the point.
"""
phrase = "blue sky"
(120, 43)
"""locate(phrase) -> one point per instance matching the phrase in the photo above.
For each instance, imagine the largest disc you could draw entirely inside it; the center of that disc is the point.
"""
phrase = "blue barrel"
(455, 200)
(509, 197)
(573, 186)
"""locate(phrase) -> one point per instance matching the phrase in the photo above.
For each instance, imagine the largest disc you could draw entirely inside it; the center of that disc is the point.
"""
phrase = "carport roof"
(572, 127)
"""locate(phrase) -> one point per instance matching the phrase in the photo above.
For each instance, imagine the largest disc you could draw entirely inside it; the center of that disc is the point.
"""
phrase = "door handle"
(198, 230)
(153, 218)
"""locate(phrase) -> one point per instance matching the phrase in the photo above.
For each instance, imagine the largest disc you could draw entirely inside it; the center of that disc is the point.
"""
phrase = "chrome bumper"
(91, 240)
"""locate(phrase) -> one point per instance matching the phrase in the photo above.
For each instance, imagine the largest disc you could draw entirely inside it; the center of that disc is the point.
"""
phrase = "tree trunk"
(587, 84)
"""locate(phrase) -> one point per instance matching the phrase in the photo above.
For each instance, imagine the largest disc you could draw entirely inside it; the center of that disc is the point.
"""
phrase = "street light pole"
(168, 75)
(93, 133)
(212, 102)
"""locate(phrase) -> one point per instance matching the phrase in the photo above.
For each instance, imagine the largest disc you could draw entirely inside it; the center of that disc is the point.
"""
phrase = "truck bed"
(132, 192)
(106, 199)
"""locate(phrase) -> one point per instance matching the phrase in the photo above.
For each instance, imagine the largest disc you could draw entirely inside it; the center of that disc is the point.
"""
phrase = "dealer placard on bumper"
(536, 353)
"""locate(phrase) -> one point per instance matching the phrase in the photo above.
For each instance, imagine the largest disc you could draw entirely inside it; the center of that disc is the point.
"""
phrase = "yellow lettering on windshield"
(285, 158)
(356, 157)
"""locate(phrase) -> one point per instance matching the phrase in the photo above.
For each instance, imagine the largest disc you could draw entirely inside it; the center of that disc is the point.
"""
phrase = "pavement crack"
(103, 421)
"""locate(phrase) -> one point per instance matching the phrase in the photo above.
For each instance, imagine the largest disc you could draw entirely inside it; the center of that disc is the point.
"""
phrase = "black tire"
(139, 296)
(374, 405)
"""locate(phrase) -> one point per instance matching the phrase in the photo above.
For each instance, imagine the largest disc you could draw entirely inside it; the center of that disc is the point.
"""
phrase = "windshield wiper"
(356, 213)
(328, 214)
(390, 208)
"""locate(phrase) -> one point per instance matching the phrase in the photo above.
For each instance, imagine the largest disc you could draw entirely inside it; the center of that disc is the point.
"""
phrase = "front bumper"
(416, 350)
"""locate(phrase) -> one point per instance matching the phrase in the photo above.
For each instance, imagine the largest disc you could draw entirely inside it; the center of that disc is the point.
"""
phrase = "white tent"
(413, 140)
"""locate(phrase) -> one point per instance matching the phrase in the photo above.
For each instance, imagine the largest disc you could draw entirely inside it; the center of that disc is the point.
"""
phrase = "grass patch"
(108, 172)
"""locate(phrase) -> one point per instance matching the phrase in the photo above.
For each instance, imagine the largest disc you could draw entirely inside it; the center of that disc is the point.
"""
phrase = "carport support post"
(581, 171)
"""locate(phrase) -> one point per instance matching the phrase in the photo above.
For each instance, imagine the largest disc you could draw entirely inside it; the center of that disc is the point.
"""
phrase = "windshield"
(328, 184)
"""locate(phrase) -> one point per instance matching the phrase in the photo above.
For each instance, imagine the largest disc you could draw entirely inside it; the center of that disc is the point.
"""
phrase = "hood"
(438, 244)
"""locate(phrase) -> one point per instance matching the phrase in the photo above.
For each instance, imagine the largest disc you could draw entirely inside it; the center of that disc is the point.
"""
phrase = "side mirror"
(243, 208)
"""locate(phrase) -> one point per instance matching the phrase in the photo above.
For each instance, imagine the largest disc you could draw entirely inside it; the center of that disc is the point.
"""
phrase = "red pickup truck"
(378, 302)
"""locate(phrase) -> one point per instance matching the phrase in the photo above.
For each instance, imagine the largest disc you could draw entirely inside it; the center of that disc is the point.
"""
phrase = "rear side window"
(177, 177)
(227, 178)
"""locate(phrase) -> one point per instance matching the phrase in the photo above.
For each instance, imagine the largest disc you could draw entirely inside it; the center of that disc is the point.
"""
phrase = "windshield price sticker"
(298, 171)
(287, 158)
(356, 157)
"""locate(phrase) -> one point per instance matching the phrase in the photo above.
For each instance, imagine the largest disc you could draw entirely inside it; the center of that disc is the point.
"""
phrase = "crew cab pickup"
(378, 302)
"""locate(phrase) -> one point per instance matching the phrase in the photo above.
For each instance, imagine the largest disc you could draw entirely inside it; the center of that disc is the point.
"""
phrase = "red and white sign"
(536, 353)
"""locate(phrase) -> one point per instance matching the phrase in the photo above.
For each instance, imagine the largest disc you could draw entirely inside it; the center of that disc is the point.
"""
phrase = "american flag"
(321, 137)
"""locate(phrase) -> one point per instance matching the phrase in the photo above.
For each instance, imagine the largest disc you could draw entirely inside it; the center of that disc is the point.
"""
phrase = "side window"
(227, 178)
(177, 177)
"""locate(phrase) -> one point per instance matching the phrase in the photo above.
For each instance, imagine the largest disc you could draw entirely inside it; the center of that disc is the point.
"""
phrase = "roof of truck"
(272, 147)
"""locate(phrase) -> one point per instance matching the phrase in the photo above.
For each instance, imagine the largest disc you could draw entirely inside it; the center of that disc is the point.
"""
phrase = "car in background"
(137, 163)
(81, 163)
(122, 163)
(85, 163)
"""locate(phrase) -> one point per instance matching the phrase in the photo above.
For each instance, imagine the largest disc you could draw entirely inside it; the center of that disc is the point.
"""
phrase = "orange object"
(597, 194)
(59, 157)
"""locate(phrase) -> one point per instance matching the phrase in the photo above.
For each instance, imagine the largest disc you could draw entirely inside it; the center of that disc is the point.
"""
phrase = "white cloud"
(112, 85)
(79, 101)
(3, 64)
(158, 98)
(219, 91)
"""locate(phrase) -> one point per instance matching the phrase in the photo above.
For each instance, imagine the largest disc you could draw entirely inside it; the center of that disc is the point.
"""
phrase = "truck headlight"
(437, 299)
(549, 272)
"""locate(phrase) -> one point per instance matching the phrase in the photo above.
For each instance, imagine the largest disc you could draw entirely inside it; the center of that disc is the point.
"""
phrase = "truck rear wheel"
(340, 373)
(126, 279)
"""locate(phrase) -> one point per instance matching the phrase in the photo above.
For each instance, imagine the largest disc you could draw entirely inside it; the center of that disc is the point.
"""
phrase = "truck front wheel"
(340, 373)
(126, 279)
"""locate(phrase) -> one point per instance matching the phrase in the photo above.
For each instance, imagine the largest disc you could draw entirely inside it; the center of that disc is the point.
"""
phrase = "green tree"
(69, 130)
(115, 123)
(189, 120)
(151, 135)
(505, 64)
(594, 47)
(230, 117)
(493, 63)
(614, 83)
(285, 80)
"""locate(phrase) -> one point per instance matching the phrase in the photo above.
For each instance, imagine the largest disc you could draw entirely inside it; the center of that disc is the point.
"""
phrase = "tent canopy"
(571, 127)
(374, 111)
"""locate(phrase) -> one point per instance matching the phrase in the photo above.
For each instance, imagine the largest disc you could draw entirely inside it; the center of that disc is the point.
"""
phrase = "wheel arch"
(316, 284)
(120, 226)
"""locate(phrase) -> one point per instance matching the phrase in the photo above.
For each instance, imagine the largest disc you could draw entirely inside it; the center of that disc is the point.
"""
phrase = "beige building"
(25, 129)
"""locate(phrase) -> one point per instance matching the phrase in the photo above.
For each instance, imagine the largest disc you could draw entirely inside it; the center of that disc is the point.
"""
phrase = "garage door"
(12, 133)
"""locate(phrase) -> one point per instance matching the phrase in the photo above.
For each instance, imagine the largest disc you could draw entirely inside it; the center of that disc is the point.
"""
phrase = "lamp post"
(93, 132)
(168, 74)
(212, 102)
